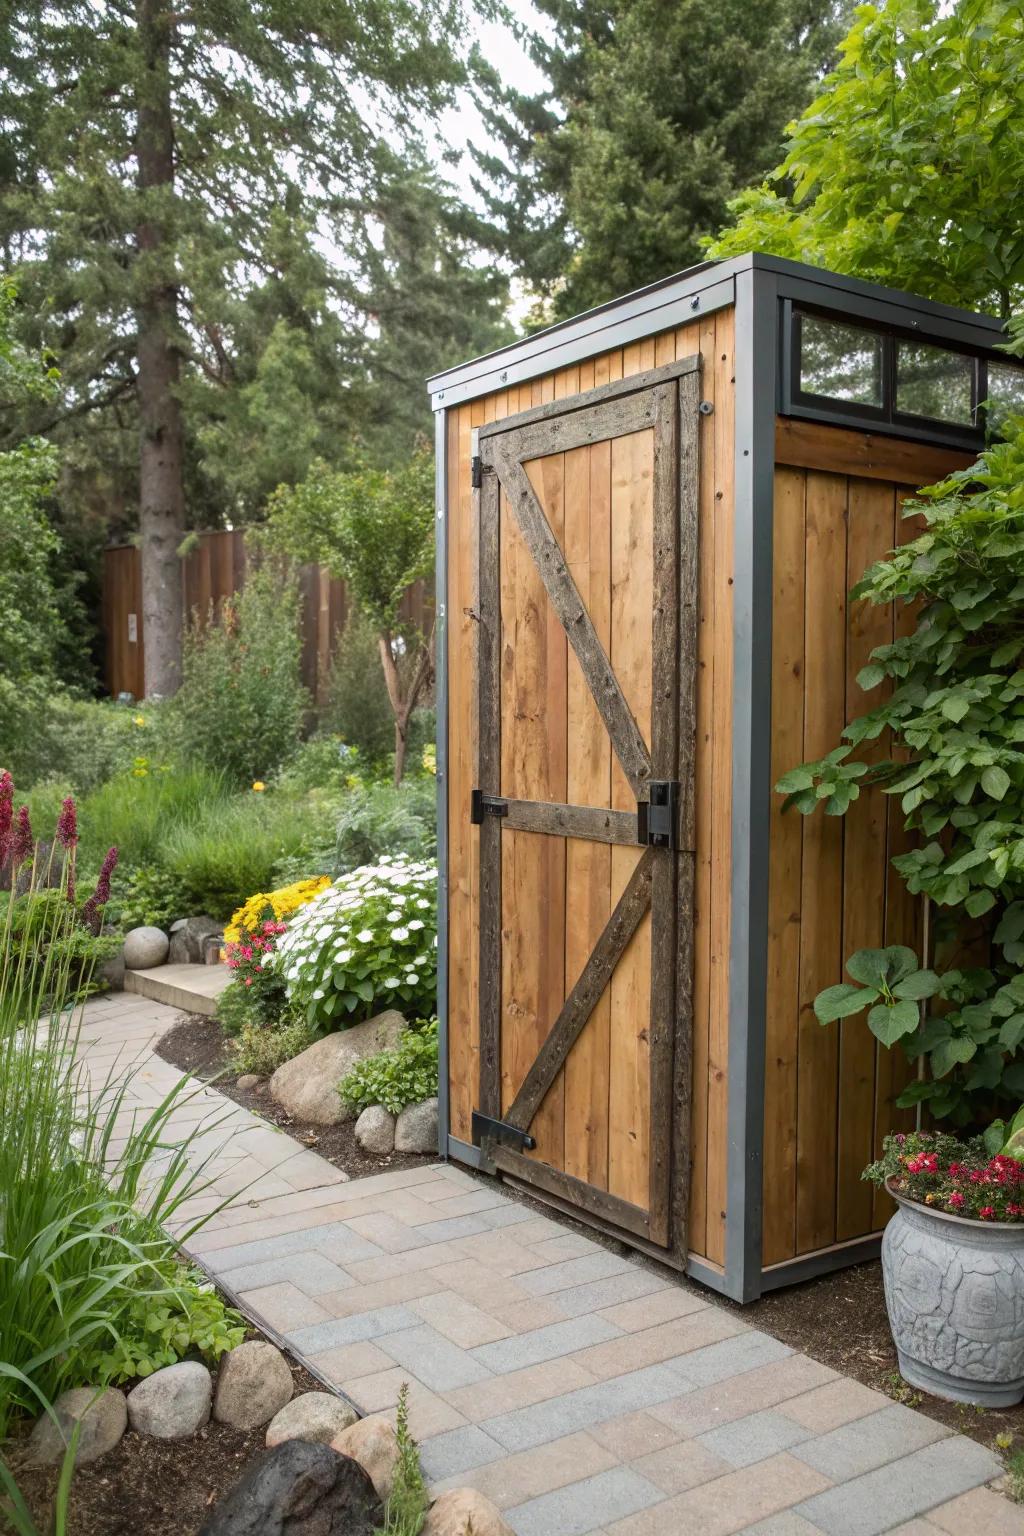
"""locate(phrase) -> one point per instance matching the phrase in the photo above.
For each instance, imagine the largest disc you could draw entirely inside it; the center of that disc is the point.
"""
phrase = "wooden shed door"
(586, 608)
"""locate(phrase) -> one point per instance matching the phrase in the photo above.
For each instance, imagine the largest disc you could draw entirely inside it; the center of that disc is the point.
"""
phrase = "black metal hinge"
(477, 471)
(500, 1130)
(657, 821)
(481, 805)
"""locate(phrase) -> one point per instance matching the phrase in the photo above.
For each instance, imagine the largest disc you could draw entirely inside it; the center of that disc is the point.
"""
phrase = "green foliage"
(358, 708)
(31, 627)
(81, 743)
(382, 819)
(184, 1317)
(906, 168)
(954, 705)
(222, 858)
(395, 1078)
(653, 115)
(262, 1048)
(374, 528)
(83, 1223)
(148, 896)
(367, 942)
(241, 704)
(137, 812)
(407, 1502)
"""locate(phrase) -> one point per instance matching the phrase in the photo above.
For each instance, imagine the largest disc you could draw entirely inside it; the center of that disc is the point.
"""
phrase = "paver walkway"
(585, 1393)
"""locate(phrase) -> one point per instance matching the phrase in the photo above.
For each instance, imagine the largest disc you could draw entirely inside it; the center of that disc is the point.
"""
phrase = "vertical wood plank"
(822, 874)
(785, 859)
(871, 527)
(630, 656)
(489, 781)
(588, 782)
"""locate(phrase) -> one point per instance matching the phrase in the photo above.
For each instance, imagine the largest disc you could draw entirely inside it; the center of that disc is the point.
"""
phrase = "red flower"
(21, 842)
(956, 1200)
(6, 813)
(101, 895)
(987, 1212)
(925, 1162)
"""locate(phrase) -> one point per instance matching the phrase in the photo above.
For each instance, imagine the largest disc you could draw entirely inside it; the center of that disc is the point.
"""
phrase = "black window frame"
(886, 419)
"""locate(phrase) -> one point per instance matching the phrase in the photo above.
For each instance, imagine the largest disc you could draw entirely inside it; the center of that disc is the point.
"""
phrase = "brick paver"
(586, 1392)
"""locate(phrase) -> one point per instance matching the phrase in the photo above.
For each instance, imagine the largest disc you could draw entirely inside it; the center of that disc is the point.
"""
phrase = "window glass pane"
(933, 382)
(1005, 394)
(840, 361)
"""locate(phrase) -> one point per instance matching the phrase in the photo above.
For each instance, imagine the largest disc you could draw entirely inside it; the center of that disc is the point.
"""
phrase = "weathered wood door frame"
(666, 400)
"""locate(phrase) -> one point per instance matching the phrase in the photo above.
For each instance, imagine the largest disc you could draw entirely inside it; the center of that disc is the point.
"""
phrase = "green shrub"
(261, 1048)
(233, 850)
(241, 703)
(322, 763)
(408, 1500)
(82, 743)
(395, 1078)
(377, 820)
(183, 1317)
(148, 896)
(358, 709)
(136, 812)
(367, 942)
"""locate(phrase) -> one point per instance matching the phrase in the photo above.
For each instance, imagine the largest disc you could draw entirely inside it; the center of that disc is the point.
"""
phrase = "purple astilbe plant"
(6, 814)
(91, 914)
(67, 836)
(21, 843)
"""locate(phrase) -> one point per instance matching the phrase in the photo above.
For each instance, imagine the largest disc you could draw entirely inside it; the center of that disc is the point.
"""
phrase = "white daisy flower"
(365, 936)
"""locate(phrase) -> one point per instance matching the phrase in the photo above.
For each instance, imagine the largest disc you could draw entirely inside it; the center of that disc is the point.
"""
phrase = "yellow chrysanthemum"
(282, 903)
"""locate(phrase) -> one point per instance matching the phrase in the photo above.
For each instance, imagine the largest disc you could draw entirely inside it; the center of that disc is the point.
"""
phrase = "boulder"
(253, 1384)
(464, 1512)
(172, 1403)
(416, 1130)
(102, 1414)
(373, 1443)
(375, 1130)
(315, 1416)
(144, 948)
(189, 938)
(298, 1489)
(307, 1086)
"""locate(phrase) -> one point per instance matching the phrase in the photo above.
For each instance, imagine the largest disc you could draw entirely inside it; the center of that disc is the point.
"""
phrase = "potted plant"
(953, 1263)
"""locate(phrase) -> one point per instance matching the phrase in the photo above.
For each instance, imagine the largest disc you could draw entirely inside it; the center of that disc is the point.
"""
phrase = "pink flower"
(956, 1200)
(67, 824)
(6, 813)
(20, 841)
(101, 895)
(987, 1212)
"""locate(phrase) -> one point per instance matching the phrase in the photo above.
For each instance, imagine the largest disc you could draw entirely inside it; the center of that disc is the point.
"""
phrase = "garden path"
(586, 1392)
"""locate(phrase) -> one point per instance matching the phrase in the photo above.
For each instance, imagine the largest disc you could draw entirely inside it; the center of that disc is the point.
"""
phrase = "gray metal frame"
(441, 739)
(755, 284)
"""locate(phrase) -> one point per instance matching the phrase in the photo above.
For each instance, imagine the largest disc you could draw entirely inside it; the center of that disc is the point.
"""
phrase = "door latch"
(657, 820)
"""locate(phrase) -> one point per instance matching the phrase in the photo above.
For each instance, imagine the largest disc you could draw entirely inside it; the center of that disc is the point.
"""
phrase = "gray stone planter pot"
(955, 1293)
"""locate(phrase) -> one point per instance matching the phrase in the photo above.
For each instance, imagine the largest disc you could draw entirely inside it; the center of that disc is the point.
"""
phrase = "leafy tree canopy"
(907, 169)
(657, 112)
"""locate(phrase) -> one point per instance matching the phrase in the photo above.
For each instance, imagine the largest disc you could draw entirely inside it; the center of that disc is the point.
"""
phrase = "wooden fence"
(214, 569)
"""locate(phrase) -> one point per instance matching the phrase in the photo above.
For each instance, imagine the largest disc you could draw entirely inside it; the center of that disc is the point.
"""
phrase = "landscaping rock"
(172, 1403)
(102, 1415)
(416, 1130)
(373, 1443)
(307, 1086)
(189, 937)
(247, 1080)
(144, 948)
(299, 1489)
(253, 1384)
(315, 1416)
(375, 1130)
(464, 1512)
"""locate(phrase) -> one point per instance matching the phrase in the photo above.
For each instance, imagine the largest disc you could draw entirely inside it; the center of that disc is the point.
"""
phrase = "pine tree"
(160, 163)
(656, 113)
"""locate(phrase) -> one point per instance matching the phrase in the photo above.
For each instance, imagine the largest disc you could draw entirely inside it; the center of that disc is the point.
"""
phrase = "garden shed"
(649, 519)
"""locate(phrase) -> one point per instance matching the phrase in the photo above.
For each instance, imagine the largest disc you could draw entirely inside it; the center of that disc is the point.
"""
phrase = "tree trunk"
(402, 708)
(161, 453)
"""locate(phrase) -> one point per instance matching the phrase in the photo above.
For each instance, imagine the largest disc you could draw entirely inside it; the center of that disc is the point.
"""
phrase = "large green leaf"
(889, 1022)
(840, 1001)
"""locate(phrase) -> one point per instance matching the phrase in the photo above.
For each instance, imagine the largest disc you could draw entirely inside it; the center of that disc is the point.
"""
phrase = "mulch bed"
(197, 1045)
(147, 1487)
